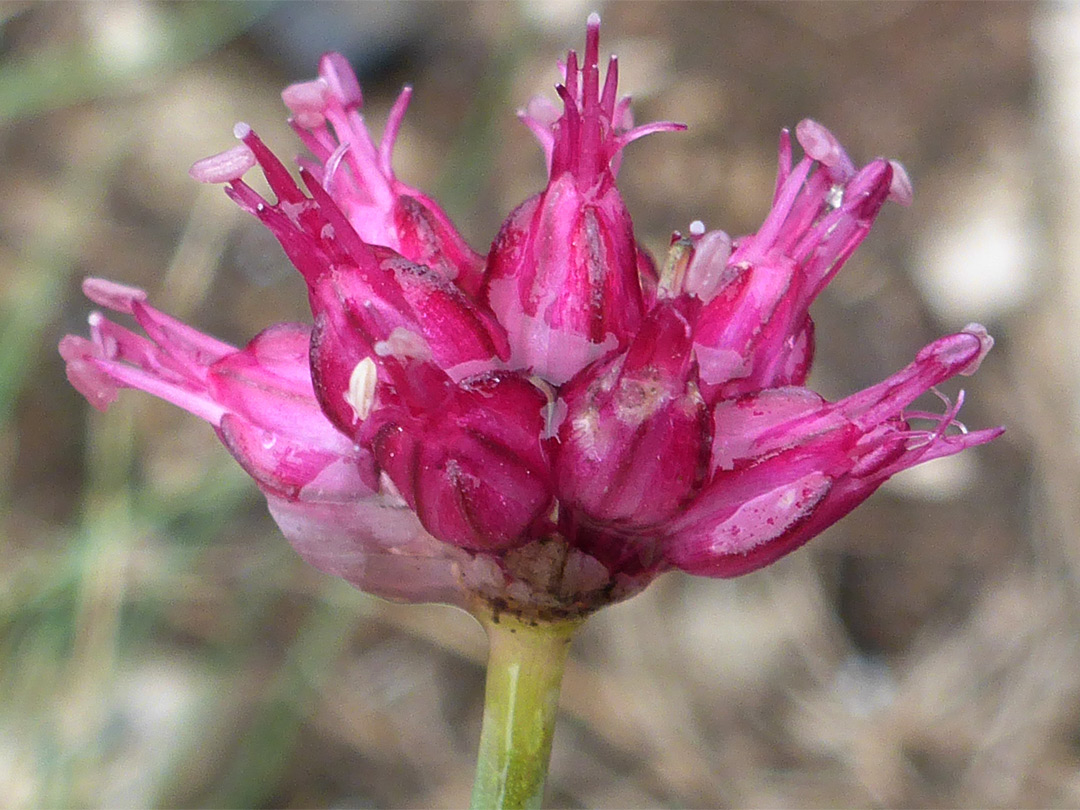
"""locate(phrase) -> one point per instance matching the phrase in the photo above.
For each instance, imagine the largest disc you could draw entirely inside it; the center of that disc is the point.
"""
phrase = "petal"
(742, 428)
(562, 277)
(374, 543)
(734, 319)
(634, 441)
(260, 399)
(288, 465)
(471, 464)
(743, 510)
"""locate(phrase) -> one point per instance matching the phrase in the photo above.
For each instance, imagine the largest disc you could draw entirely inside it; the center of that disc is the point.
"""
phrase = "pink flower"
(562, 275)
(549, 429)
(359, 177)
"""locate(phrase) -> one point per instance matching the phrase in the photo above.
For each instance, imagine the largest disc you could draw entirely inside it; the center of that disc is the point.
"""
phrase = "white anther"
(224, 167)
(834, 197)
(403, 343)
(697, 227)
(361, 393)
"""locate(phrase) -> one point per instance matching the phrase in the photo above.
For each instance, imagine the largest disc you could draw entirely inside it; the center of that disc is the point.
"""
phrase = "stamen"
(390, 131)
(361, 393)
(942, 422)
(335, 70)
(900, 190)
(330, 168)
(611, 83)
(109, 294)
(223, 167)
(647, 129)
(307, 100)
(822, 146)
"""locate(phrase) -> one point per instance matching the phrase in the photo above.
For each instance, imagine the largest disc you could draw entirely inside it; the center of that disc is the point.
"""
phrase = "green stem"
(525, 667)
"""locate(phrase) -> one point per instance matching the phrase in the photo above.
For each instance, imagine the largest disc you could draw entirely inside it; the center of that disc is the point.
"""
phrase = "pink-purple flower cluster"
(550, 426)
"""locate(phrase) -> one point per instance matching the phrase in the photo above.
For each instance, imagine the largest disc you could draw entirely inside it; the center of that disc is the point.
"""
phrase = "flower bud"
(562, 274)
(470, 463)
(359, 176)
(367, 301)
(755, 332)
(634, 442)
(786, 464)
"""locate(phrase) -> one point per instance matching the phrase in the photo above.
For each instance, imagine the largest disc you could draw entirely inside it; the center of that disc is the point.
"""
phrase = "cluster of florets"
(553, 424)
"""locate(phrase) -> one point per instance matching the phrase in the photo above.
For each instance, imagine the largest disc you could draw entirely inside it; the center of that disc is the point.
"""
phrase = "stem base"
(521, 701)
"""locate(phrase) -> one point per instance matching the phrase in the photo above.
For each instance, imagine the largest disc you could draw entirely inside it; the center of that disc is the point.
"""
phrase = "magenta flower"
(552, 426)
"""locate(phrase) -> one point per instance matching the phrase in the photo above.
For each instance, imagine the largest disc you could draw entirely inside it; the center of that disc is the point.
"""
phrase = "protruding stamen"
(307, 100)
(822, 146)
(109, 294)
(900, 190)
(224, 167)
(335, 70)
(986, 343)
(390, 131)
(330, 168)
(647, 129)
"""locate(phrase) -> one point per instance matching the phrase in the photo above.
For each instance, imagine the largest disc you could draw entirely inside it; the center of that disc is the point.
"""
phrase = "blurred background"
(162, 646)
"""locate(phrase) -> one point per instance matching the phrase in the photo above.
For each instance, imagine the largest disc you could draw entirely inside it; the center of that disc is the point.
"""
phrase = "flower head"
(551, 427)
